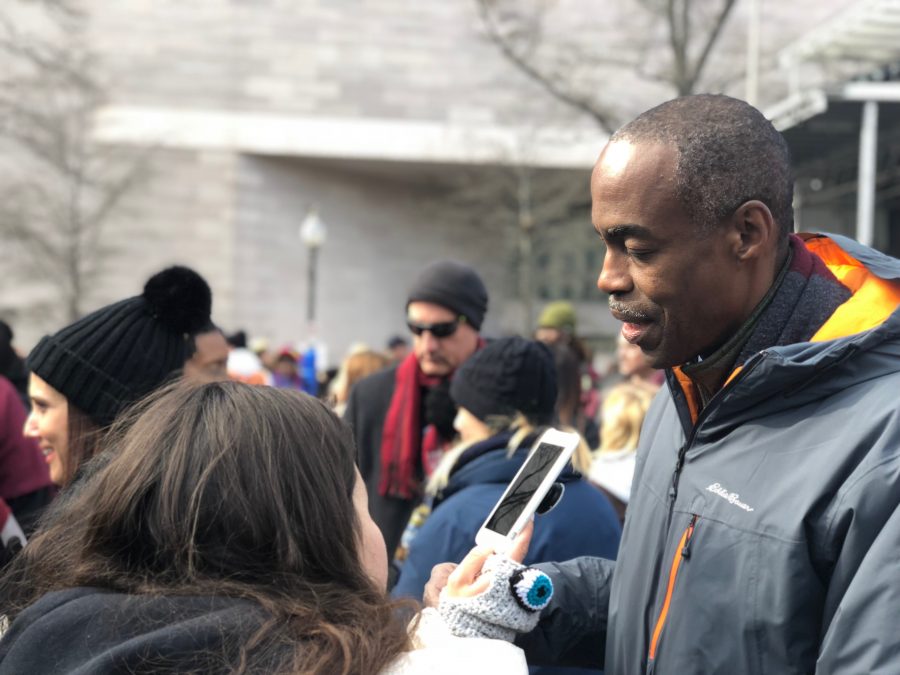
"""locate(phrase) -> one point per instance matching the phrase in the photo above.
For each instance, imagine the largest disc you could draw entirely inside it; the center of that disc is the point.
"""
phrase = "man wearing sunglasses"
(402, 417)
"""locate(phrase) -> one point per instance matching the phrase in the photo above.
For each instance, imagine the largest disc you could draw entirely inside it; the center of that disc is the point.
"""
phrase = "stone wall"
(391, 59)
(181, 211)
(382, 229)
(235, 216)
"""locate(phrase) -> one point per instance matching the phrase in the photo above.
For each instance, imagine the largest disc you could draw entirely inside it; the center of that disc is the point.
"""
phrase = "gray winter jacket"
(765, 538)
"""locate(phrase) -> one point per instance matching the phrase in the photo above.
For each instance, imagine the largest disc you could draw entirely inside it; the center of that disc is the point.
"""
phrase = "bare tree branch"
(676, 43)
(687, 28)
(60, 188)
(551, 83)
(712, 37)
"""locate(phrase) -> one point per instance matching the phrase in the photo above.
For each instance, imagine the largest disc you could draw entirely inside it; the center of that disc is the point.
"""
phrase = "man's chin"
(433, 369)
(660, 357)
(659, 361)
(655, 352)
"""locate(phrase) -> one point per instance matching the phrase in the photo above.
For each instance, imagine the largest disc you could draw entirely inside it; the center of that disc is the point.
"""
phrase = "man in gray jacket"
(762, 534)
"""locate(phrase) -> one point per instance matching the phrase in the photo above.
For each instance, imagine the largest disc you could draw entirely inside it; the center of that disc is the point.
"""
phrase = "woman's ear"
(755, 232)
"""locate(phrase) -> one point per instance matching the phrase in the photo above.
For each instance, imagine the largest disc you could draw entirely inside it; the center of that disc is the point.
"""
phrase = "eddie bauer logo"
(731, 497)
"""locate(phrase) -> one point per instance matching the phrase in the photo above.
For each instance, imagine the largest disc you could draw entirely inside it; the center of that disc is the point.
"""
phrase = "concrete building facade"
(370, 111)
(254, 113)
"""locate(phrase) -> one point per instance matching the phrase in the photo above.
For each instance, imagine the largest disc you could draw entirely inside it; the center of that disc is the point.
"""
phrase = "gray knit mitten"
(510, 605)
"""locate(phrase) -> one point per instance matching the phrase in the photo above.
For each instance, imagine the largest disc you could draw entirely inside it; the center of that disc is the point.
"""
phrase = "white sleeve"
(11, 530)
(438, 652)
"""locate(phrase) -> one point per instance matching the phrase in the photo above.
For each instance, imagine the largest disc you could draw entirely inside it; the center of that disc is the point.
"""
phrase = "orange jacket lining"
(874, 299)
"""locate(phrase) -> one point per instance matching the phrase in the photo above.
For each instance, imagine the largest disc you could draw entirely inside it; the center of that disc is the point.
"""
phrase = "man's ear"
(754, 231)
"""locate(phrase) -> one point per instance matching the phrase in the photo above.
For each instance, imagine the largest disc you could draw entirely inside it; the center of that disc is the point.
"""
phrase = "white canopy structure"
(853, 57)
(865, 33)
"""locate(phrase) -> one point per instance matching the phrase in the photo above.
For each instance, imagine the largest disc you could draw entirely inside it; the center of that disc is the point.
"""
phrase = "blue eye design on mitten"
(531, 588)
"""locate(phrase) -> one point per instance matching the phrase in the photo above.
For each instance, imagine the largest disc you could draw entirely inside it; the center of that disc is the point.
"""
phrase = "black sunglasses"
(438, 330)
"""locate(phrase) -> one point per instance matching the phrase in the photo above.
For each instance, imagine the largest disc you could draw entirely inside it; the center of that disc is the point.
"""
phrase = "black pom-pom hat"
(114, 356)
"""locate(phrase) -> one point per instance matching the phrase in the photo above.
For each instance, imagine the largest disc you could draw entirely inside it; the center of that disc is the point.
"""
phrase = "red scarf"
(403, 442)
(5, 513)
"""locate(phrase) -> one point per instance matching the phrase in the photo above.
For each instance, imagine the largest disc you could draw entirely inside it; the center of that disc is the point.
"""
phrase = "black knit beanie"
(509, 375)
(114, 356)
(455, 286)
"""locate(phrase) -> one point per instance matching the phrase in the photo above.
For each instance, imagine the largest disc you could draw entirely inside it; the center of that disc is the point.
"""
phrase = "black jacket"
(92, 631)
(367, 408)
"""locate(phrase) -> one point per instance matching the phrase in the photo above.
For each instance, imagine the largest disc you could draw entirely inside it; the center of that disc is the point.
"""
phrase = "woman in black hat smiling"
(83, 376)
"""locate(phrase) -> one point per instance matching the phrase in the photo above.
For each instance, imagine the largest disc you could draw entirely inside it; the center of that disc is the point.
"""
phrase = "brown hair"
(568, 386)
(355, 367)
(226, 489)
(84, 441)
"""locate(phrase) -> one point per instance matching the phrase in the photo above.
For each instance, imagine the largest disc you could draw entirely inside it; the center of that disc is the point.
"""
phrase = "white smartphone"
(527, 489)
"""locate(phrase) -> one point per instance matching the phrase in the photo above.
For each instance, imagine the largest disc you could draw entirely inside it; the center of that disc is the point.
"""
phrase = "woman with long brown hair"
(227, 531)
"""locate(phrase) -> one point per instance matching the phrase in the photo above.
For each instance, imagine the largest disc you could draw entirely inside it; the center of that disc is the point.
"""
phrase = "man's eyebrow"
(629, 230)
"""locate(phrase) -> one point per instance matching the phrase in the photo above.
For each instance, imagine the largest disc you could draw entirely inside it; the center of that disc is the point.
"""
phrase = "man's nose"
(429, 341)
(614, 277)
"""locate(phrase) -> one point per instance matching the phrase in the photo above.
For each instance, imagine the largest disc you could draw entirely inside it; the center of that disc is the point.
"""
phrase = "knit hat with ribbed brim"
(559, 315)
(114, 356)
(510, 375)
(455, 286)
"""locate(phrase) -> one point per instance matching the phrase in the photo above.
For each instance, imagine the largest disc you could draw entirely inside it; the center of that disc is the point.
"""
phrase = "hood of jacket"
(89, 630)
(858, 341)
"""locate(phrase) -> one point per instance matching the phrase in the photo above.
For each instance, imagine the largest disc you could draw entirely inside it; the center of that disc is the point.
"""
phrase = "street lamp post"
(312, 234)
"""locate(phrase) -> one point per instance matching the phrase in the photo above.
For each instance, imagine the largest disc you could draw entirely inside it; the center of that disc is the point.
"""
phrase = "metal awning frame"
(865, 37)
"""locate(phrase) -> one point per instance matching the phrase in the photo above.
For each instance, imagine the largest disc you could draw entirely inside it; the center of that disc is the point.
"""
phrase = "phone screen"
(521, 491)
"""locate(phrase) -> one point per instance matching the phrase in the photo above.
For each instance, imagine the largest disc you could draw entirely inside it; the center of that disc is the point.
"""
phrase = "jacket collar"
(836, 357)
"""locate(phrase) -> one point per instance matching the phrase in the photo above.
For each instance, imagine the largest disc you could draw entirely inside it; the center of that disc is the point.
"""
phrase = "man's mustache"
(629, 314)
(435, 358)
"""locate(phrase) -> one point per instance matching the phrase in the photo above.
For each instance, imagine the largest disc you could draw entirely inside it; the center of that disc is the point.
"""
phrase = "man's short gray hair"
(728, 154)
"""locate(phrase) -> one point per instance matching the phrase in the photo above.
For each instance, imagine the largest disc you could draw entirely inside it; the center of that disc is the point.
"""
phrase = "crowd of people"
(91, 531)
(175, 499)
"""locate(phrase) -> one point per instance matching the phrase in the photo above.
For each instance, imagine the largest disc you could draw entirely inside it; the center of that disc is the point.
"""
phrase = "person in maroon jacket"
(25, 484)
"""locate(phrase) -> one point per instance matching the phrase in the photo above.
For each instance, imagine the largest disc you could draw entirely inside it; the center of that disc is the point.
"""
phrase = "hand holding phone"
(469, 578)
(528, 488)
